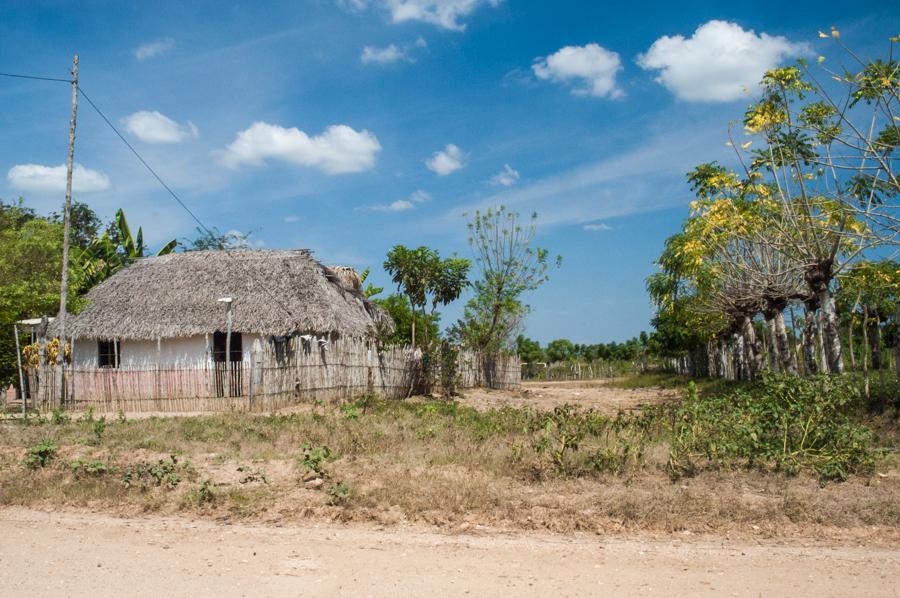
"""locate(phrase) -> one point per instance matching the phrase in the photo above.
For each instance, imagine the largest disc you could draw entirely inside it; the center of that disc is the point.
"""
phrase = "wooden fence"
(280, 373)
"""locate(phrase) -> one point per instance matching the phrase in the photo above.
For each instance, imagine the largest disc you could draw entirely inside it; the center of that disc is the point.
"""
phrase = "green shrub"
(58, 417)
(314, 457)
(338, 494)
(40, 455)
(784, 423)
(163, 472)
(90, 468)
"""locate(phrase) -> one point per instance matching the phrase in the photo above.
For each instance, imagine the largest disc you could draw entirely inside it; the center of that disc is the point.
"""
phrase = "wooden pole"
(228, 350)
(67, 215)
(21, 377)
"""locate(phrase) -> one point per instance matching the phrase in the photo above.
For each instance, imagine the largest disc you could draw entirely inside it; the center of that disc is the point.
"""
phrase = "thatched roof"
(274, 292)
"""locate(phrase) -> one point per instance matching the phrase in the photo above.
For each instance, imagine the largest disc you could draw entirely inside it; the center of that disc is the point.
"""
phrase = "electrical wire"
(34, 77)
(175, 196)
(153, 172)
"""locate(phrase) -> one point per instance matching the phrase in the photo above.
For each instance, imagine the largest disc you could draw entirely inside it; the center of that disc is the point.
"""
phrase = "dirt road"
(67, 554)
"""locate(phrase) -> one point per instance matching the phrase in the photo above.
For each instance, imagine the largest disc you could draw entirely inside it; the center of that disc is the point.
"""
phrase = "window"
(109, 354)
(237, 349)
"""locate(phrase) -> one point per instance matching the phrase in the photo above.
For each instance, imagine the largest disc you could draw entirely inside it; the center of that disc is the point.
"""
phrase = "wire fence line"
(287, 372)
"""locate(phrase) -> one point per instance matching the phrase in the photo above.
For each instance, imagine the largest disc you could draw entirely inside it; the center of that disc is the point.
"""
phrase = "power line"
(144, 162)
(174, 195)
(34, 77)
(150, 169)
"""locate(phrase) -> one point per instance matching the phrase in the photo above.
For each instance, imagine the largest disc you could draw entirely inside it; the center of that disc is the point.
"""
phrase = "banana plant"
(107, 255)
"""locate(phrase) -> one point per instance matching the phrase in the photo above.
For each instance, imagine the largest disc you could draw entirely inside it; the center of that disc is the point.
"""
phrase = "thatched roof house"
(275, 293)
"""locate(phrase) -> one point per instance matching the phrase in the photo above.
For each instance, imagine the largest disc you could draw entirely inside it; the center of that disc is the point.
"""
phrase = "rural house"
(172, 310)
(241, 329)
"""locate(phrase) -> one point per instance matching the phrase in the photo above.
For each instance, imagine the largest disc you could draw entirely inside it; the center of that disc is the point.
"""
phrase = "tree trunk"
(739, 357)
(875, 339)
(752, 348)
(850, 342)
(810, 329)
(831, 337)
(774, 352)
(897, 341)
(821, 362)
(786, 356)
(711, 353)
(865, 355)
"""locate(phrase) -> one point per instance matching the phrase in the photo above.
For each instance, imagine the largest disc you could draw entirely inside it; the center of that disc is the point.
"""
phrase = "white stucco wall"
(172, 351)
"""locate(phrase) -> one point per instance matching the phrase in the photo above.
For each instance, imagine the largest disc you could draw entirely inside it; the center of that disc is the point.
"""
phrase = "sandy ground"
(69, 554)
(589, 394)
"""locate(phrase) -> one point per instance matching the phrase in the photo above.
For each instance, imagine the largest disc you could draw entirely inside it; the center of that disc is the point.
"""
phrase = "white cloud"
(47, 179)
(420, 42)
(450, 159)
(339, 149)
(154, 127)
(641, 179)
(420, 196)
(291, 218)
(718, 63)
(373, 55)
(402, 205)
(597, 226)
(506, 177)
(593, 67)
(443, 13)
(153, 49)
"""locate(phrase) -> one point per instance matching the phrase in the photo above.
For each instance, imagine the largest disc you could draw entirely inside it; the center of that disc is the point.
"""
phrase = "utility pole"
(67, 216)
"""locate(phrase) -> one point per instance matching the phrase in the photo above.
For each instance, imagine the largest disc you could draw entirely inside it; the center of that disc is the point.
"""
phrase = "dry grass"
(430, 462)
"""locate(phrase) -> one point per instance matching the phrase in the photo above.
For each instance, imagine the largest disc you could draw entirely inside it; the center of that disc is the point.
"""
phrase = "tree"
(369, 290)
(116, 249)
(560, 350)
(426, 280)
(84, 224)
(509, 265)
(529, 351)
(30, 254)
(212, 239)
(404, 317)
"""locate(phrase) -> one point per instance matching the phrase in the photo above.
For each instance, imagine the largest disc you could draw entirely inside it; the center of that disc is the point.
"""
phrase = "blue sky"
(349, 126)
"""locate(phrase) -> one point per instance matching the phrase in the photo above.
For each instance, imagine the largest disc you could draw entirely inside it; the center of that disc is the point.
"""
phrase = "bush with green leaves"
(338, 494)
(314, 457)
(40, 455)
(164, 472)
(784, 423)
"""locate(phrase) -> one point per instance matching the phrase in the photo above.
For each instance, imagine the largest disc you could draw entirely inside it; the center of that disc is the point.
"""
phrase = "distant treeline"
(531, 351)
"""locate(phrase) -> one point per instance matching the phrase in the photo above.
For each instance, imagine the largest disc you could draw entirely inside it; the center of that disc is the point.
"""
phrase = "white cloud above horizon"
(339, 149)
(597, 226)
(446, 14)
(291, 218)
(443, 162)
(154, 48)
(392, 53)
(418, 196)
(642, 179)
(720, 62)
(591, 68)
(52, 179)
(506, 177)
(155, 127)
(382, 56)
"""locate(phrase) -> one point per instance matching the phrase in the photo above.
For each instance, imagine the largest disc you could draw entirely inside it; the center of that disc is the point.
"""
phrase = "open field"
(97, 555)
(495, 460)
